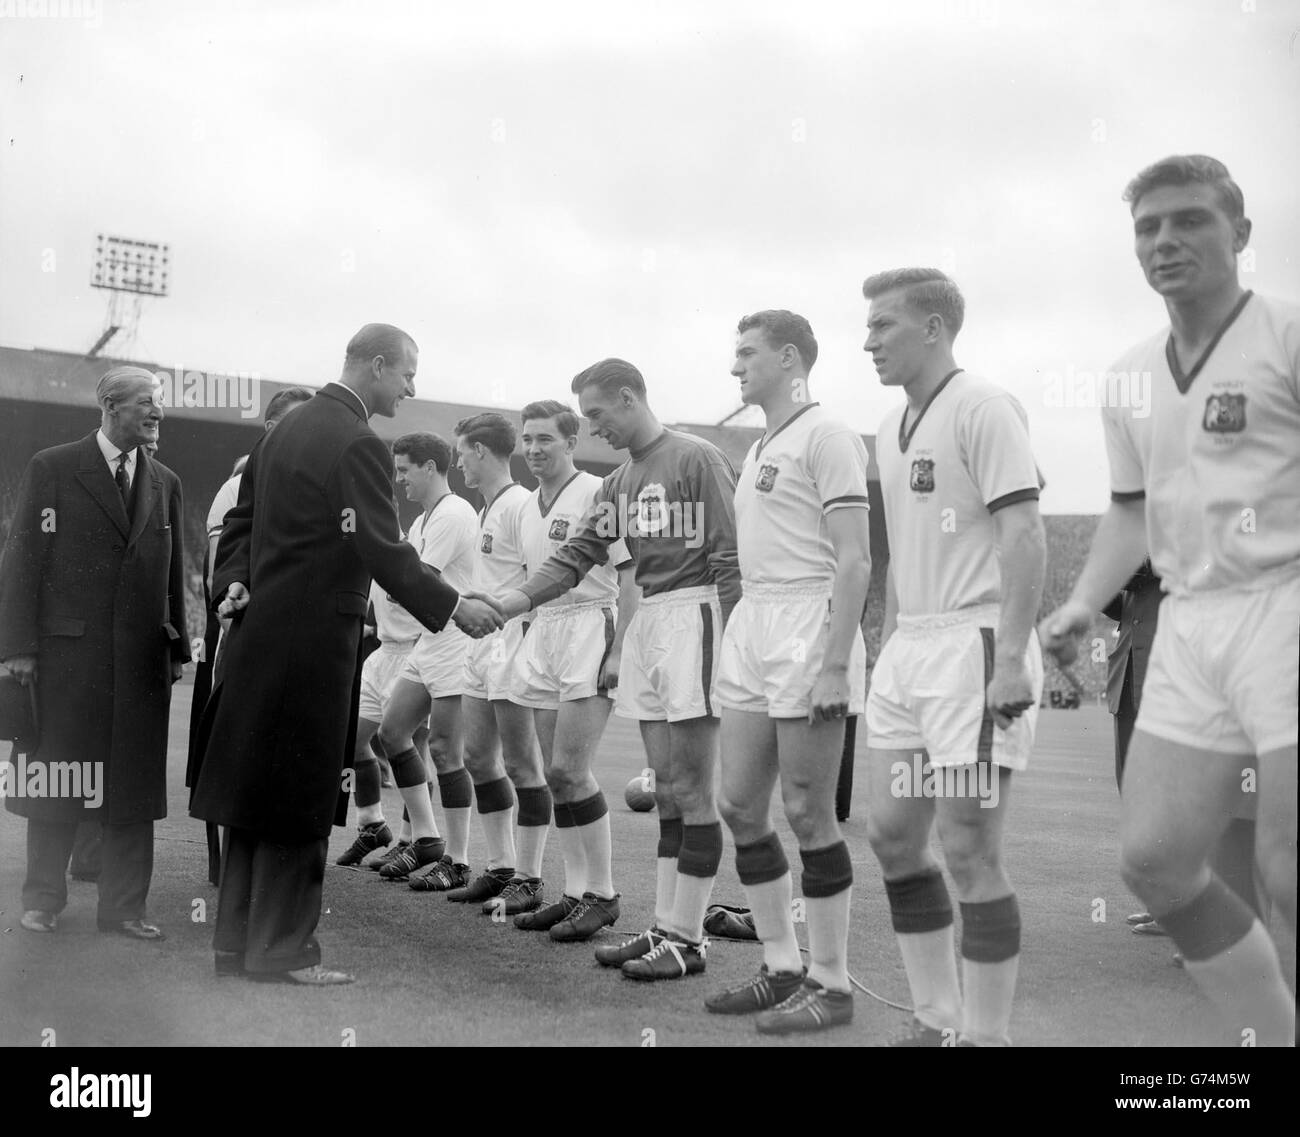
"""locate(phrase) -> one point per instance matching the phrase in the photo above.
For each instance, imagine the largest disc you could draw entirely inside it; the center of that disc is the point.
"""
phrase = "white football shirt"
(1216, 455)
(446, 537)
(546, 528)
(944, 472)
(226, 500)
(808, 467)
(499, 564)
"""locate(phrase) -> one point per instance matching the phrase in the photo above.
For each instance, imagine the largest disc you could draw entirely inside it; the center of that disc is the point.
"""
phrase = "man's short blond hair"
(927, 291)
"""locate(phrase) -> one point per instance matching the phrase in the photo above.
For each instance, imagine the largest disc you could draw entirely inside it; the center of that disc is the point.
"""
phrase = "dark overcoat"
(99, 600)
(1137, 608)
(314, 523)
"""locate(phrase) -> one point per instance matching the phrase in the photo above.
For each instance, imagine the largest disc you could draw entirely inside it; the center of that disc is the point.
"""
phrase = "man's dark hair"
(378, 339)
(780, 328)
(1189, 169)
(927, 291)
(491, 429)
(422, 447)
(566, 422)
(283, 401)
(611, 376)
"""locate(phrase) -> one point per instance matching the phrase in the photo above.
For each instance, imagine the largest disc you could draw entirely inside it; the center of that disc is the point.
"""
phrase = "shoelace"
(799, 1001)
(581, 909)
(513, 888)
(396, 851)
(447, 875)
(667, 947)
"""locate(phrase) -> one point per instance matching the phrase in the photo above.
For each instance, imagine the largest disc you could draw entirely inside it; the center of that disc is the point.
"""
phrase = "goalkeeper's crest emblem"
(766, 477)
(485, 545)
(559, 530)
(923, 475)
(1225, 414)
(651, 516)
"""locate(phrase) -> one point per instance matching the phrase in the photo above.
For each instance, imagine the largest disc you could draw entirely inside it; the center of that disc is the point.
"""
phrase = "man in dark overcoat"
(92, 611)
(315, 521)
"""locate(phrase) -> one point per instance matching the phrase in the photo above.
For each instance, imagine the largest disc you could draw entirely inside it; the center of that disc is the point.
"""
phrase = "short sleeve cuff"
(1013, 498)
(848, 501)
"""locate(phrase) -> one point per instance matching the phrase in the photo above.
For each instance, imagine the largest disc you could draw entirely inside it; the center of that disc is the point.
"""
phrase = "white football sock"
(770, 904)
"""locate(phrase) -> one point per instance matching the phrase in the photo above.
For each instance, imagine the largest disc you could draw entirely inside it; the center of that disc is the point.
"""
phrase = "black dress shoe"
(229, 962)
(136, 929)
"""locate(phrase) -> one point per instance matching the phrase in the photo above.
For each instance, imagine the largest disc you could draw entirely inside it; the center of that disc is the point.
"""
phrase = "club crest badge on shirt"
(559, 530)
(651, 516)
(485, 545)
(1225, 414)
(766, 477)
(922, 480)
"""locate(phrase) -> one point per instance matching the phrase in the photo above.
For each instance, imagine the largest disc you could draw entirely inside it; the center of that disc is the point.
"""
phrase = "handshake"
(480, 615)
(477, 614)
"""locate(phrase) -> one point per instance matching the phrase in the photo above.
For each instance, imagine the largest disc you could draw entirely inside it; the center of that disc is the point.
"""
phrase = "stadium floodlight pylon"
(125, 267)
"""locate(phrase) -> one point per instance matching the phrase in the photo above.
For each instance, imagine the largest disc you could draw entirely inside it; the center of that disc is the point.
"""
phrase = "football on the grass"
(639, 794)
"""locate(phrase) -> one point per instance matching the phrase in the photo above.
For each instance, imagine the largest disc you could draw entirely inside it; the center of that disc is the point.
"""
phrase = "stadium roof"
(41, 375)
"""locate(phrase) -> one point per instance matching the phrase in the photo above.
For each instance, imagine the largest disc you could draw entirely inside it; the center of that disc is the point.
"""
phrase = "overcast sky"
(528, 187)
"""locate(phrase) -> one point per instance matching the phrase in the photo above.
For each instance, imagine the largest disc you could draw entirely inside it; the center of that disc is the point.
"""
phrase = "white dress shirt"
(111, 454)
(365, 411)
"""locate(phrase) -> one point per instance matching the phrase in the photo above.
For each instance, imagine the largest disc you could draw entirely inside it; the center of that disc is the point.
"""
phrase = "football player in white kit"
(562, 671)
(955, 690)
(431, 679)
(793, 666)
(501, 751)
(397, 630)
(1205, 474)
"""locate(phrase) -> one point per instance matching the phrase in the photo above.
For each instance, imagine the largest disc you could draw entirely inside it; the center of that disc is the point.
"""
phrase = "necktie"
(123, 486)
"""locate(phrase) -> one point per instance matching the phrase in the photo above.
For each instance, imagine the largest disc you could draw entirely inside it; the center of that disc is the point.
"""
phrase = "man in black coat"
(314, 523)
(280, 404)
(92, 611)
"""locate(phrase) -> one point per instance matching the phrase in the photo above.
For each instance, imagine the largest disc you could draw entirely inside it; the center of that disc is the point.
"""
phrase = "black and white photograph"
(603, 525)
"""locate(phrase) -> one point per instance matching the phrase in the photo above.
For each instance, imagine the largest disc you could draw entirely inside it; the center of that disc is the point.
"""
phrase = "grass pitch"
(432, 973)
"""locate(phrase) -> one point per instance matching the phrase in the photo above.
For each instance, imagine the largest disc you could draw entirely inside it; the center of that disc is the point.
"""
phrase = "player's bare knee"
(813, 822)
(1144, 866)
(478, 763)
(746, 820)
(392, 740)
(565, 783)
(970, 868)
(523, 771)
(897, 849)
(693, 799)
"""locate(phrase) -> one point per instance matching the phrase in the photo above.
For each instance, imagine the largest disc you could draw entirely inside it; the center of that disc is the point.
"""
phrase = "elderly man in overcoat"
(315, 521)
(92, 612)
